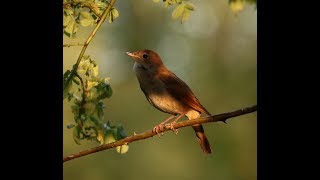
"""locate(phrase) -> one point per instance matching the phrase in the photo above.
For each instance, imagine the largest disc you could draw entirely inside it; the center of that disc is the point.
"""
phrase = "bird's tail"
(202, 139)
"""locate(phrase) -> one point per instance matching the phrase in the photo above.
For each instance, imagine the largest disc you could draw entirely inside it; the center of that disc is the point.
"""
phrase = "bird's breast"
(156, 92)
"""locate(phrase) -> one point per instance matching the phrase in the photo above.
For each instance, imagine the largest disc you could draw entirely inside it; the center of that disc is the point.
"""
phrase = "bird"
(168, 93)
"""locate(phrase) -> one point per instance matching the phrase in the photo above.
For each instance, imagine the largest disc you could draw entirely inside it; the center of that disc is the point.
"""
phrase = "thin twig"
(76, 44)
(216, 118)
(75, 67)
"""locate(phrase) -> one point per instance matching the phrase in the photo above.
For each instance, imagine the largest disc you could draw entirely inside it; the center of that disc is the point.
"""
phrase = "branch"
(216, 118)
(76, 44)
(75, 67)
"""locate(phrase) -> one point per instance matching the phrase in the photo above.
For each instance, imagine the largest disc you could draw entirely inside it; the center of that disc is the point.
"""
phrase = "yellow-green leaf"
(115, 13)
(166, 4)
(91, 84)
(72, 27)
(122, 149)
(156, 1)
(95, 71)
(66, 20)
(86, 22)
(85, 14)
(190, 6)
(236, 5)
(185, 16)
(68, 11)
(178, 11)
(109, 138)
(76, 134)
(100, 137)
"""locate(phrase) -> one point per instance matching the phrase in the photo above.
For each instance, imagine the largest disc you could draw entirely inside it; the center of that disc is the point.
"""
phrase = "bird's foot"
(159, 130)
(172, 128)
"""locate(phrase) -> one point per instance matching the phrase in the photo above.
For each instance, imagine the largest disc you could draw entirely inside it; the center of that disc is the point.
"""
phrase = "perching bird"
(166, 92)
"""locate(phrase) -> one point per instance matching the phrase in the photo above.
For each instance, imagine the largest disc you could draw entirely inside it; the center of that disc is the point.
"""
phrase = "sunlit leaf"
(236, 5)
(95, 70)
(66, 20)
(100, 137)
(68, 11)
(87, 19)
(178, 11)
(122, 149)
(185, 16)
(85, 14)
(87, 22)
(71, 28)
(190, 6)
(115, 13)
(156, 1)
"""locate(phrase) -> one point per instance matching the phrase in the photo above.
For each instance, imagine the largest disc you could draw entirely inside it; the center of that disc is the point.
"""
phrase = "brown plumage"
(168, 93)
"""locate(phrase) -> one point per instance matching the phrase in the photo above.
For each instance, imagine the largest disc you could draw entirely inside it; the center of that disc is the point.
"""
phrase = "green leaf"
(66, 75)
(66, 91)
(99, 109)
(109, 138)
(185, 16)
(104, 90)
(156, 1)
(121, 134)
(89, 107)
(178, 11)
(76, 134)
(67, 86)
(190, 6)
(88, 124)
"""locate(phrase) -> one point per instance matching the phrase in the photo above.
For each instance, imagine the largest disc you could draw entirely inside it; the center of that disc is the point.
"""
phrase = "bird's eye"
(145, 56)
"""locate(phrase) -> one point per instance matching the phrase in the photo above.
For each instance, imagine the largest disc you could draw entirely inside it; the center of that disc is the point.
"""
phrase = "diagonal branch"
(216, 118)
(75, 67)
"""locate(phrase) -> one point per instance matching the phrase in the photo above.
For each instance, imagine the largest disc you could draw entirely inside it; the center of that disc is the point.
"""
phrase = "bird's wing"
(183, 93)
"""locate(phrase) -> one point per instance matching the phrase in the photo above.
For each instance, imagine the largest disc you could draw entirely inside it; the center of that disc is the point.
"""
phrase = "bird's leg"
(161, 125)
(174, 122)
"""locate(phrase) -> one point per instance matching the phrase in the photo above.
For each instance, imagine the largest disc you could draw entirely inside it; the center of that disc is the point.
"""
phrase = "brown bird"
(166, 92)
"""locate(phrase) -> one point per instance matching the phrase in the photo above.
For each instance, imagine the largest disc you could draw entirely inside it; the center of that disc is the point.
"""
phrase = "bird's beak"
(132, 55)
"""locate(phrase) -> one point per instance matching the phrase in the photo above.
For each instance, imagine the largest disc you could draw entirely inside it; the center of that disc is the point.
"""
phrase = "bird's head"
(147, 58)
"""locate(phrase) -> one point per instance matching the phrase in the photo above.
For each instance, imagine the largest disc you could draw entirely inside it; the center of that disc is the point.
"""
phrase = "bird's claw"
(158, 129)
(175, 131)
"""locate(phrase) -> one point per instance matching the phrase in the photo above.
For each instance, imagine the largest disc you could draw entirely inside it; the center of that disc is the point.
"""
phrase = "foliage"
(182, 9)
(85, 13)
(82, 86)
(86, 93)
(238, 5)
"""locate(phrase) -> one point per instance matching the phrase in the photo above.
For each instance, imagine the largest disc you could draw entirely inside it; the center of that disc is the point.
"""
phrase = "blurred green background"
(214, 52)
